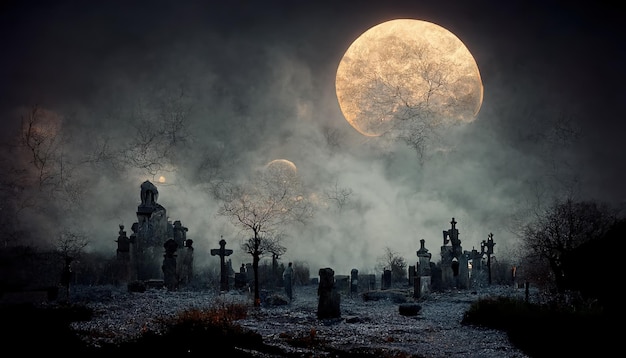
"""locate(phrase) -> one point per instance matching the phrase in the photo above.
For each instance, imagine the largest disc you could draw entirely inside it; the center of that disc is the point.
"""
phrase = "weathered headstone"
(354, 281)
(488, 251)
(422, 280)
(150, 232)
(412, 273)
(328, 298)
(241, 277)
(179, 232)
(367, 282)
(385, 282)
(169, 265)
(123, 262)
(342, 283)
(454, 269)
(185, 266)
(222, 252)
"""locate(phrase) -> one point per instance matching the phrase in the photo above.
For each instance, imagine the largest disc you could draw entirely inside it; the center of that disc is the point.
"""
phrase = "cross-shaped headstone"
(222, 252)
(489, 251)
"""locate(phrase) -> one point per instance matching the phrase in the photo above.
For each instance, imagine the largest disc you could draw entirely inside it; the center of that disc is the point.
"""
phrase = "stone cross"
(222, 252)
(487, 248)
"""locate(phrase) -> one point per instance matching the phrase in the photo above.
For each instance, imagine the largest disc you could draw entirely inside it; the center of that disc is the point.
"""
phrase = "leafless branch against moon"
(409, 78)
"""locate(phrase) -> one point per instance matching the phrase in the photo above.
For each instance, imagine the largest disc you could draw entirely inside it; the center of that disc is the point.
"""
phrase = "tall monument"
(454, 269)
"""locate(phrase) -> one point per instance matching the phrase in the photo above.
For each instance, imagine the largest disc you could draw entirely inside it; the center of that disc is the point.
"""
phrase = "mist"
(256, 83)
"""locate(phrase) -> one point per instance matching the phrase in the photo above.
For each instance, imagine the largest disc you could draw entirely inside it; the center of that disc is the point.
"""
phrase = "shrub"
(543, 330)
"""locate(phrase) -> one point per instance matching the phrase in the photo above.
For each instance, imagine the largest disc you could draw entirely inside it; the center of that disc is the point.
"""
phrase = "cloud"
(252, 90)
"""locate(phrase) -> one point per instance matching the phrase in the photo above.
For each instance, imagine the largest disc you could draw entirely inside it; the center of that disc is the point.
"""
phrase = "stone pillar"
(185, 263)
(422, 282)
(222, 252)
(241, 278)
(354, 281)
(328, 298)
(385, 282)
(169, 265)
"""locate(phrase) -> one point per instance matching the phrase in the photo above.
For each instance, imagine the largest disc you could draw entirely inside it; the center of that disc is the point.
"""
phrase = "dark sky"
(259, 77)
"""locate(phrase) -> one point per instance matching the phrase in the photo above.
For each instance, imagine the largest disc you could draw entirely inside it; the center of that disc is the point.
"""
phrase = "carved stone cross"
(222, 252)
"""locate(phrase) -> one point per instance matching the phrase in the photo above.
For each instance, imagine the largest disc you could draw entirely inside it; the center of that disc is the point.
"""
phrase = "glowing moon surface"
(404, 71)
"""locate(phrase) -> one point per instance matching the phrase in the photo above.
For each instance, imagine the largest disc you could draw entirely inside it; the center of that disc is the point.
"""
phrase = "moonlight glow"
(404, 71)
(283, 165)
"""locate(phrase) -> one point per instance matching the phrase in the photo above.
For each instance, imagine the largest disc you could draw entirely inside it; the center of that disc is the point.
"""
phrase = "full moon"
(405, 73)
(282, 168)
(282, 165)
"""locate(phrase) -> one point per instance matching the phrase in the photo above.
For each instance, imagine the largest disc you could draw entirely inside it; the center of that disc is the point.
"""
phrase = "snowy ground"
(435, 331)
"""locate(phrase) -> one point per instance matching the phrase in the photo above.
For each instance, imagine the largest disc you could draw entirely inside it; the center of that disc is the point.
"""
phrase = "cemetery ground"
(497, 321)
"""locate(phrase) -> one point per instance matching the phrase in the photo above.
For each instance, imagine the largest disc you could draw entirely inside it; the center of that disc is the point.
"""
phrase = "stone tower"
(454, 269)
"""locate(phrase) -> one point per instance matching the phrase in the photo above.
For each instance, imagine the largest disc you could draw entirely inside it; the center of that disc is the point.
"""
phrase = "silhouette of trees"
(392, 260)
(261, 208)
(592, 272)
(39, 180)
(338, 195)
(561, 228)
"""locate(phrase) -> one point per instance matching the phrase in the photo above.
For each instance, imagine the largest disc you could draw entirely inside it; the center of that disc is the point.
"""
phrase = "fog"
(255, 82)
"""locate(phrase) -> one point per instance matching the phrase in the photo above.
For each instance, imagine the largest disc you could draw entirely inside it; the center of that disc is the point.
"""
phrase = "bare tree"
(69, 245)
(262, 207)
(410, 106)
(562, 227)
(394, 262)
(338, 195)
(173, 114)
(39, 180)
(159, 126)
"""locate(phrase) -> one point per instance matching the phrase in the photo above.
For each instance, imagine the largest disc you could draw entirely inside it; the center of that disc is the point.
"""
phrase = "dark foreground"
(241, 331)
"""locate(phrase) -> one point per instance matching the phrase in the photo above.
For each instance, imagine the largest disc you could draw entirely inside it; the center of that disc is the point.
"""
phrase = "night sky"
(256, 79)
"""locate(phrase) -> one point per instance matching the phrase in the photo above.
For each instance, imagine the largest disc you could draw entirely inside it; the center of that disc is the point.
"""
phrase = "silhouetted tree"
(393, 261)
(338, 195)
(262, 207)
(69, 245)
(592, 272)
(561, 228)
(39, 182)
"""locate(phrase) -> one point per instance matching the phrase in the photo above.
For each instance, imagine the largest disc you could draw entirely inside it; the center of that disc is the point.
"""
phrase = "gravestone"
(422, 280)
(241, 277)
(488, 249)
(354, 281)
(454, 269)
(185, 260)
(342, 283)
(170, 277)
(367, 282)
(222, 252)
(123, 258)
(412, 273)
(385, 282)
(179, 232)
(149, 234)
(328, 298)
